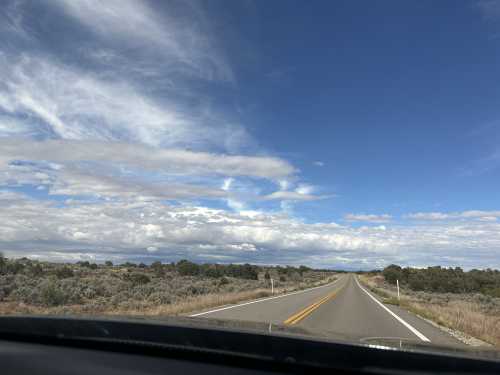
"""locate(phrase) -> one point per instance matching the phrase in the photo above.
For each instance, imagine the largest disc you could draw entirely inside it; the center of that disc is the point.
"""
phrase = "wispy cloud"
(464, 215)
(384, 218)
(291, 196)
(184, 43)
(97, 108)
(177, 161)
(490, 9)
(121, 120)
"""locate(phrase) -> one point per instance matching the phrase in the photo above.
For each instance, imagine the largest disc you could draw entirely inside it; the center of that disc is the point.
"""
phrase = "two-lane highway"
(344, 307)
(274, 309)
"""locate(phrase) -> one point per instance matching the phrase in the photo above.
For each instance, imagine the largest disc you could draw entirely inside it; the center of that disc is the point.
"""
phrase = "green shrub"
(187, 268)
(392, 273)
(223, 281)
(445, 280)
(138, 278)
(212, 270)
(34, 270)
(3, 263)
(64, 272)
(493, 292)
(51, 294)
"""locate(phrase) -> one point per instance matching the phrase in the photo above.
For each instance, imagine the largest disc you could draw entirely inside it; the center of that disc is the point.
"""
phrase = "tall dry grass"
(199, 303)
(459, 314)
(463, 316)
(184, 306)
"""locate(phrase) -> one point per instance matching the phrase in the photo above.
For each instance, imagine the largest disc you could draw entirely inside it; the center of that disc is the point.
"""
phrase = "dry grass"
(472, 318)
(463, 316)
(199, 303)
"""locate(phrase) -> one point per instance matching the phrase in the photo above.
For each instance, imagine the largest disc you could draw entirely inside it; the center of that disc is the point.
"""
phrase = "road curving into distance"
(344, 308)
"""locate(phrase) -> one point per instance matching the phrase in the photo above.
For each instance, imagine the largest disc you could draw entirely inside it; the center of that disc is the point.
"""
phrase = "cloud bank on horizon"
(115, 144)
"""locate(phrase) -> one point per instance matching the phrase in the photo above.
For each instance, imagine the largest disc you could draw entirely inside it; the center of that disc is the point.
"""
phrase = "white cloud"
(284, 184)
(111, 169)
(234, 204)
(154, 159)
(464, 215)
(292, 196)
(384, 218)
(427, 216)
(305, 189)
(126, 230)
(95, 108)
(319, 163)
(73, 183)
(303, 192)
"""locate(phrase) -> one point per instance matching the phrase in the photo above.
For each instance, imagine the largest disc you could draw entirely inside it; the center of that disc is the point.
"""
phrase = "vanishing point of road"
(343, 308)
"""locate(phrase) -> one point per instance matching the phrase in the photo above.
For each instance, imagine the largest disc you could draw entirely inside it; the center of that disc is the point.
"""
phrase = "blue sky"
(345, 134)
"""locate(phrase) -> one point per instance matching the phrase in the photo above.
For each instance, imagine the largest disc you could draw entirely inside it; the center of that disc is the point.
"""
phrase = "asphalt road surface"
(344, 309)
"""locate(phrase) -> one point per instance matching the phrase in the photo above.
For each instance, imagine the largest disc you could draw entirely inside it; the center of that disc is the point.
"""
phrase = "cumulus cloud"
(149, 230)
(384, 218)
(319, 163)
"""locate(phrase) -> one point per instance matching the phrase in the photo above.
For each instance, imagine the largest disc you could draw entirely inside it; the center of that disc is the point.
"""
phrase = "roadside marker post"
(397, 283)
(272, 286)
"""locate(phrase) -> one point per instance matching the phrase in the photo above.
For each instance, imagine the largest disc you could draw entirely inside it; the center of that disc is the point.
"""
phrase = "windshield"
(331, 168)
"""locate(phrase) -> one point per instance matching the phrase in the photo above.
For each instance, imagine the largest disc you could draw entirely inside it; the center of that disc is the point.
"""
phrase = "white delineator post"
(272, 286)
(397, 283)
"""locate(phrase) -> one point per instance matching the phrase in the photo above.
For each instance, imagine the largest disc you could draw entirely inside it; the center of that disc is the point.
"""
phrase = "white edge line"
(264, 299)
(414, 330)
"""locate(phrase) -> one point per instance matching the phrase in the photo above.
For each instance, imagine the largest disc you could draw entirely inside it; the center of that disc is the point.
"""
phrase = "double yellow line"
(294, 319)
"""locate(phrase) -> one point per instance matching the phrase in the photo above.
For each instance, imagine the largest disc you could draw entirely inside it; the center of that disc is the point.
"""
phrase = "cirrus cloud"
(384, 218)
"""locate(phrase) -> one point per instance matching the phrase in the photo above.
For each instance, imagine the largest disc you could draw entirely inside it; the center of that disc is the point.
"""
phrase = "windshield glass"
(324, 167)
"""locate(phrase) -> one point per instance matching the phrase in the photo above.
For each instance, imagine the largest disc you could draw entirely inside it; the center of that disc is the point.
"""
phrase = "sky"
(347, 134)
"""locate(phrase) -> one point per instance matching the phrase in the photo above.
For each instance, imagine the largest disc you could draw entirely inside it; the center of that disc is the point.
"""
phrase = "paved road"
(344, 308)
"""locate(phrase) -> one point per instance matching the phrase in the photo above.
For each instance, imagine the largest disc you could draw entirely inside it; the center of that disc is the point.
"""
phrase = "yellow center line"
(294, 319)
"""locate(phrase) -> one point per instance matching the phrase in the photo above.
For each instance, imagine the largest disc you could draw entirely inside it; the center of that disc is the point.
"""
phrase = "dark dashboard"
(42, 345)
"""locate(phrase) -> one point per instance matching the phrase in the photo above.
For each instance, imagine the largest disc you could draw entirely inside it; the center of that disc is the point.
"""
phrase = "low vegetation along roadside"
(460, 301)
(34, 287)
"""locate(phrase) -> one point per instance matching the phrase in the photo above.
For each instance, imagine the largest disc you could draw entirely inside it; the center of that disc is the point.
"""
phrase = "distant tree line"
(241, 271)
(445, 280)
(183, 267)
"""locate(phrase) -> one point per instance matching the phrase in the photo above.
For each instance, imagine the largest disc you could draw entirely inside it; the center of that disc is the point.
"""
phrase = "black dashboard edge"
(274, 352)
